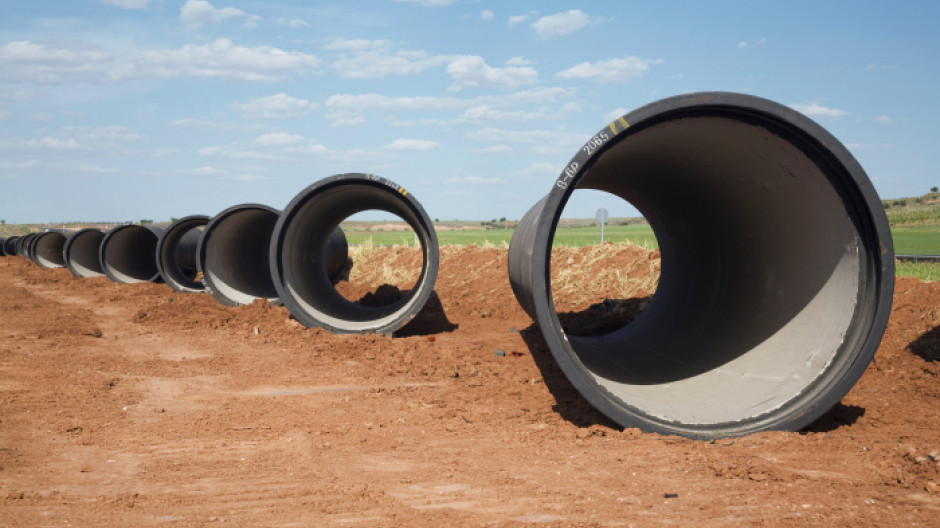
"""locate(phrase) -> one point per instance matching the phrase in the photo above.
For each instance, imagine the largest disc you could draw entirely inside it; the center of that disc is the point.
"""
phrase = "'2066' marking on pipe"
(766, 329)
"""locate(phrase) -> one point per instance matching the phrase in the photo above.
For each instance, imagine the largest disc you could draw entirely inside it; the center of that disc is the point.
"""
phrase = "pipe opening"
(47, 249)
(81, 253)
(128, 253)
(776, 273)
(598, 288)
(303, 275)
(176, 253)
(233, 254)
(384, 267)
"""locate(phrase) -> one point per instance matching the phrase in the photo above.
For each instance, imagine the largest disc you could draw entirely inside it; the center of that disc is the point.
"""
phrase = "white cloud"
(486, 113)
(128, 4)
(4, 114)
(548, 142)
(346, 109)
(486, 14)
(560, 23)
(374, 59)
(222, 126)
(615, 113)
(538, 168)
(472, 70)
(494, 149)
(885, 120)
(518, 61)
(195, 13)
(872, 67)
(295, 148)
(613, 70)
(35, 63)
(515, 20)
(79, 138)
(816, 110)
(428, 3)
(279, 139)
(243, 174)
(745, 44)
(412, 144)
(295, 23)
(224, 60)
(278, 106)
(251, 21)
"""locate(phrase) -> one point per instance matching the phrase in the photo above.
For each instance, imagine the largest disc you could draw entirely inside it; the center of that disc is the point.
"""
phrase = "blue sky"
(126, 109)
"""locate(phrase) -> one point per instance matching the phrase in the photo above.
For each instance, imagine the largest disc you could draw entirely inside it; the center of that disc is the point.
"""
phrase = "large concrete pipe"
(22, 243)
(81, 253)
(9, 246)
(46, 249)
(299, 263)
(127, 254)
(777, 268)
(232, 256)
(176, 253)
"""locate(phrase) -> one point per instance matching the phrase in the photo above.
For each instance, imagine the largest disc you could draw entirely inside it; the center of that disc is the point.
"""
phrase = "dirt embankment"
(132, 405)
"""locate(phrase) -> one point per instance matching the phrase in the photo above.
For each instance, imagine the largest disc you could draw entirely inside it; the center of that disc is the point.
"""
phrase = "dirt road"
(132, 405)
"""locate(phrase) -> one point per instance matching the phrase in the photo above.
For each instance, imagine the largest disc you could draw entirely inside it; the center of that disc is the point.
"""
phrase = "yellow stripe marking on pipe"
(624, 123)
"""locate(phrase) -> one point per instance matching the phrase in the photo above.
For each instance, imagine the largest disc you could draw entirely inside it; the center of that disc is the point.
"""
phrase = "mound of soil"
(133, 405)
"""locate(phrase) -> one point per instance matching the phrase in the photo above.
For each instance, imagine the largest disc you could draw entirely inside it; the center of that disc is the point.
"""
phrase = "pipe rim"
(405, 309)
(166, 249)
(875, 297)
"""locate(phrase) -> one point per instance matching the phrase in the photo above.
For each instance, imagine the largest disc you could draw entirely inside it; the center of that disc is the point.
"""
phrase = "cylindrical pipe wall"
(777, 268)
(47, 249)
(232, 255)
(128, 254)
(176, 253)
(300, 265)
(9, 246)
(22, 243)
(81, 253)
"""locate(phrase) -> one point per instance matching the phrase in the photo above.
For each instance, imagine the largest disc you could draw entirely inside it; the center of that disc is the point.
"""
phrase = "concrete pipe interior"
(81, 253)
(176, 253)
(47, 249)
(771, 271)
(302, 274)
(233, 254)
(128, 253)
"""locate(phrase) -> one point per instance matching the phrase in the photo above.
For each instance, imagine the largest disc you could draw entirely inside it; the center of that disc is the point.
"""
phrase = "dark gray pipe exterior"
(81, 253)
(128, 254)
(9, 246)
(777, 268)
(3, 242)
(232, 255)
(47, 249)
(22, 243)
(300, 264)
(176, 253)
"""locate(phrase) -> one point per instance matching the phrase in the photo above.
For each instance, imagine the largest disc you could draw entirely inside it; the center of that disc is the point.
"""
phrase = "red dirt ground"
(133, 405)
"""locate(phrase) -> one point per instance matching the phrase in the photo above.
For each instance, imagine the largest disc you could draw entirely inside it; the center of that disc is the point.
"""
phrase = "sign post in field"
(602, 217)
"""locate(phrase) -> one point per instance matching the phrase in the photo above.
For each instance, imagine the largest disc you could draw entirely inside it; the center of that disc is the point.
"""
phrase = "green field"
(919, 240)
(641, 235)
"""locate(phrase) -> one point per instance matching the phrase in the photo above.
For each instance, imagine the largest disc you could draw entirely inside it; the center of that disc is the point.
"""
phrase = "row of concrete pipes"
(253, 251)
(777, 265)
